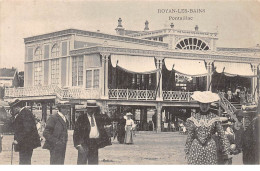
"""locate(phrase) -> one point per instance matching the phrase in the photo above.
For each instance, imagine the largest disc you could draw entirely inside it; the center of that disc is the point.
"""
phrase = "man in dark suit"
(89, 134)
(26, 137)
(56, 135)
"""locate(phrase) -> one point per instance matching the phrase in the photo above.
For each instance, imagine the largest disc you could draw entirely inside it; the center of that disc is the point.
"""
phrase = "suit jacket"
(55, 132)
(82, 130)
(25, 131)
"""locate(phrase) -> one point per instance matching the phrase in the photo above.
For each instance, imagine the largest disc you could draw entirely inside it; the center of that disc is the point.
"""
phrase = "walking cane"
(12, 151)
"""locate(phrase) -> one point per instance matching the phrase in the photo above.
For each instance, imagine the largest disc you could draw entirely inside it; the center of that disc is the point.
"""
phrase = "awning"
(193, 68)
(234, 69)
(134, 64)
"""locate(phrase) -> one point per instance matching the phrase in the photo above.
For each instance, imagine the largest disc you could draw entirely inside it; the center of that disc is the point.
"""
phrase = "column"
(50, 108)
(209, 76)
(254, 82)
(104, 75)
(159, 79)
(73, 116)
(159, 117)
(44, 112)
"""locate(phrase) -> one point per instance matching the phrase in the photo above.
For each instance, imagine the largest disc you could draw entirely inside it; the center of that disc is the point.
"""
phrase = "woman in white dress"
(129, 126)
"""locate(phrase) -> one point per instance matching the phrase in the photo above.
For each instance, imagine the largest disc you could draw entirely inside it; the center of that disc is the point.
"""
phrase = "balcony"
(81, 93)
(52, 90)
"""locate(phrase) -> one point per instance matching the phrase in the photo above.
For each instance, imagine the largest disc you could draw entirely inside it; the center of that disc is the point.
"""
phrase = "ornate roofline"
(204, 55)
(239, 49)
(94, 34)
(173, 31)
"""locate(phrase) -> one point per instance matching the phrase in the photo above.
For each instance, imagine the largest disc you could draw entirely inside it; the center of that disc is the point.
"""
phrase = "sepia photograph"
(129, 82)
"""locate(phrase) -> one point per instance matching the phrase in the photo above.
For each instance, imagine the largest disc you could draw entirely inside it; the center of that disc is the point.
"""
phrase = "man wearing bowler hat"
(26, 137)
(89, 134)
(56, 135)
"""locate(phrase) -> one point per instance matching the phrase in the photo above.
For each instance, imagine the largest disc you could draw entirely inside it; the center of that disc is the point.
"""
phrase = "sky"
(237, 22)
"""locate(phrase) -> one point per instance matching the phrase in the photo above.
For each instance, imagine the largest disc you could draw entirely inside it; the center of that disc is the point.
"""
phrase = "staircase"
(236, 105)
(229, 107)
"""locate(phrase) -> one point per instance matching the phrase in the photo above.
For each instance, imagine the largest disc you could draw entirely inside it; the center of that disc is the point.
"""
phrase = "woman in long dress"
(129, 126)
(200, 147)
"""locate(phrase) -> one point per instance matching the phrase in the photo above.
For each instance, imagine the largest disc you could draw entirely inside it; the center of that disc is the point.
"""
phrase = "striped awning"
(134, 64)
(234, 69)
(193, 68)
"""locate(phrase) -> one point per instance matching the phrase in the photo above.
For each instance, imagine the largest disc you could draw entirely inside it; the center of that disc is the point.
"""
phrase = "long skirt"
(128, 135)
(202, 154)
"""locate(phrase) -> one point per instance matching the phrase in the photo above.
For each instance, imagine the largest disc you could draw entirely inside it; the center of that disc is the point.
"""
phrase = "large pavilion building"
(142, 70)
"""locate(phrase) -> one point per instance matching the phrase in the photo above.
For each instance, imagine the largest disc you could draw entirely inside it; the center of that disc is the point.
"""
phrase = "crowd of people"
(239, 95)
(210, 138)
(89, 133)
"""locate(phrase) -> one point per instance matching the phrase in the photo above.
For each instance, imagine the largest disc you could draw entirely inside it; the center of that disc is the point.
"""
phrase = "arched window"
(192, 44)
(55, 50)
(38, 53)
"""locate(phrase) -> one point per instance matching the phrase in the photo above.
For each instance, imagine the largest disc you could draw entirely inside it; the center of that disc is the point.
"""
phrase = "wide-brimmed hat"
(63, 103)
(205, 96)
(129, 114)
(91, 104)
(14, 103)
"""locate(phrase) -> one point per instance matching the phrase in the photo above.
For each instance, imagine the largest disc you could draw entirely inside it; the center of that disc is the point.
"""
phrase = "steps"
(236, 105)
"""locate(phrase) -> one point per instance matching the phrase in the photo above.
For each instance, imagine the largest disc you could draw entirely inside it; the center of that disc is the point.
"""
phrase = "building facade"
(143, 70)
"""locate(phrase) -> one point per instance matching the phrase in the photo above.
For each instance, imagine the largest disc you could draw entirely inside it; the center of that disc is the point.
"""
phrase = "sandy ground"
(149, 148)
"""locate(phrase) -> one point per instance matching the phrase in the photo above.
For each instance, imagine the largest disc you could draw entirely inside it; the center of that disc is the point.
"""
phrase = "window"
(92, 78)
(55, 50)
(77, 71)
(55, 71)
(38, 53)
(161, 39)
(37, 73)
(192, 44)
(96, 78)
(89, 79)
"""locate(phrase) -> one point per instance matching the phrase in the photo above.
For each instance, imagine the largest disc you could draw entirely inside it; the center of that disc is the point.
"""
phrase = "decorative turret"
(196, 28)
(172, 25)
(120, 29)
(146, 25)
(119, 22)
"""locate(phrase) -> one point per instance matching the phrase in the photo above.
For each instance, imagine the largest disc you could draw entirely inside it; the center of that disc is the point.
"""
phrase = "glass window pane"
(96, 78)
(88, 78)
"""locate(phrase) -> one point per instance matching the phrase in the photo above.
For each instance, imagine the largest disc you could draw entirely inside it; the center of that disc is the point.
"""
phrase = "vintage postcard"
(129, 82)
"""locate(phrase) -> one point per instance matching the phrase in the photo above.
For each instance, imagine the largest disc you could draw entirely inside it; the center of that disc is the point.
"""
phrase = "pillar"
(159, 117)
(104, 75)
(50, 108)
(73, 116)
(209, 76)
(159, 96)
(44, 111)
(254, 82)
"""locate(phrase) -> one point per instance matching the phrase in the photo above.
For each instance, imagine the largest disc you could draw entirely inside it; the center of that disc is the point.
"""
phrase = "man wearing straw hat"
(26, 137)
(89, 134)
(56, 135)
(200, 147)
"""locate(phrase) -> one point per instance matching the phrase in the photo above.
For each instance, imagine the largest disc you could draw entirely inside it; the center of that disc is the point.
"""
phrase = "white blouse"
(130, 122)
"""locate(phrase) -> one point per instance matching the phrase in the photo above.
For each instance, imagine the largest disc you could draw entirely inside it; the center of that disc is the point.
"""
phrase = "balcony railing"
(177, 96)
(81, 93)
(130, 94)
(62, 93)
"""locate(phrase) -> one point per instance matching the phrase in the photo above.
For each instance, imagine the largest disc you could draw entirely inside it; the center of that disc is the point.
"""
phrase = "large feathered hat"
(205, 96)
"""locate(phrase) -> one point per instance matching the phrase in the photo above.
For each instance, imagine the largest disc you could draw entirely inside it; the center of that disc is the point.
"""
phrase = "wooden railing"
(177, 96)
(227, 106)
(62, 93)
(130, 94)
